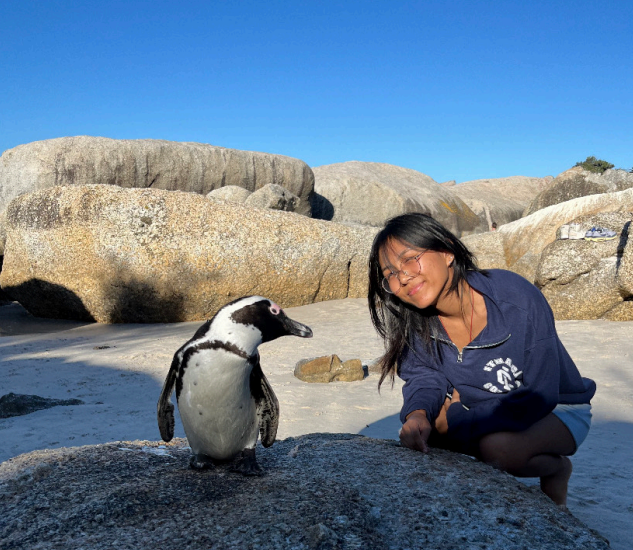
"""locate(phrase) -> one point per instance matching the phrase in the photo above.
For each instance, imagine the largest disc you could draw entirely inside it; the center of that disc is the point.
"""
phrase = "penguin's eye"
(274, 309)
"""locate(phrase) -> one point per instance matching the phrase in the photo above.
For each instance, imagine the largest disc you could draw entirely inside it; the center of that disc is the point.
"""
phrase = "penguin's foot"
(201, 462)
(246, 464)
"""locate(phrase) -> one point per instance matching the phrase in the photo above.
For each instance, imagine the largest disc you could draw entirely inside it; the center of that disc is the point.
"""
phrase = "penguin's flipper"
(267, 404)
(165, 413)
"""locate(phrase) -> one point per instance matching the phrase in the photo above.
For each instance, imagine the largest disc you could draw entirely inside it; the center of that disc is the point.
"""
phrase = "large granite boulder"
(578, 182)
(3, 231)
(522, 241)
(587, 280)
(500, 200)
(147, 163)
(273, 196)
(319, 491)
(488, 249)
(370, 193)
(130, 255)
(624, 260)
(4, 298)
(231, 193)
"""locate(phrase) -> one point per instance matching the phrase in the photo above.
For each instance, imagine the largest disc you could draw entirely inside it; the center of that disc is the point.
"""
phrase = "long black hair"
(397, 322)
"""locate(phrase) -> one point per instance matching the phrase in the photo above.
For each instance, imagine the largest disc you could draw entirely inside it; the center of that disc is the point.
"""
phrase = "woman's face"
(420, 290)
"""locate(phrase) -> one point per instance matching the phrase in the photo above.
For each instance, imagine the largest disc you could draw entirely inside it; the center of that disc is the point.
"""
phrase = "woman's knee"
(502, 450)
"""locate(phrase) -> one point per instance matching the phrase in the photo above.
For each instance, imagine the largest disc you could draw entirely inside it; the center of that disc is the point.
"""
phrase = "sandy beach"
(118, 371)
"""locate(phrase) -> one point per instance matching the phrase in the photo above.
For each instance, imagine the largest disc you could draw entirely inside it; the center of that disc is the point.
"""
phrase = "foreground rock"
(370, 193)
(578, 182)
(145, 163)
(500, 200)
(319, 491)
(116, 255)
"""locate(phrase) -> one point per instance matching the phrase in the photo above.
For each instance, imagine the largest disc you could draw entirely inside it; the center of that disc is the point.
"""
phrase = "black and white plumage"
(224, 399)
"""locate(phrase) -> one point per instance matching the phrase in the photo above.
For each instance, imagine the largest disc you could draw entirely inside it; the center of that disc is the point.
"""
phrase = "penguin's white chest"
(217, 409)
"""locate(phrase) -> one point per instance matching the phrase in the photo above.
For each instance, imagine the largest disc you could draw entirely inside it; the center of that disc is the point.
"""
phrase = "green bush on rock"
(595, 165)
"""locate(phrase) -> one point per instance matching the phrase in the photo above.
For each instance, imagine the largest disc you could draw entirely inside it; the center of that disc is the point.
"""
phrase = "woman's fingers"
(413, 439)
(415, 432)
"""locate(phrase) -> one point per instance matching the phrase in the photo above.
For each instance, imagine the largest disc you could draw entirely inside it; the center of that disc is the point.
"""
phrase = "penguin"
(223, 397)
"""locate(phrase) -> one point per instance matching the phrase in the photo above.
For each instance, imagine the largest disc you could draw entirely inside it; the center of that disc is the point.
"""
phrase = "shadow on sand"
(120, 300)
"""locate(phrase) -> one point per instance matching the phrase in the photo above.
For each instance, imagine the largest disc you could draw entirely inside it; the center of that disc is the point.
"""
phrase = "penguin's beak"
(296, 328)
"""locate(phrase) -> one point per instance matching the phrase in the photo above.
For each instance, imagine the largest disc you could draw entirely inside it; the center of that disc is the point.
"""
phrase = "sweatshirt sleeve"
(520, 408)
(424, 387)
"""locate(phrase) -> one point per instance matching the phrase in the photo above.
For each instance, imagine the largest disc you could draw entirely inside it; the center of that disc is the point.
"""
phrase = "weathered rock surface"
(3, 232)
(488, 249)
(581, 279)
(129, 255)
(145, 163)
(231, 193)
(15, 404)
(500, 200)
(329, 368)
(271, 196)
(274, 197)
(4, 297)
(319, 491)
(578, 182)
(524, 240)
(370, 193)
(624, 260)
(586, 280)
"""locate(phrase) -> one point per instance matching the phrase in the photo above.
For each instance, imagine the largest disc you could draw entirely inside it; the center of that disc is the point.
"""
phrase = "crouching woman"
(485, 372)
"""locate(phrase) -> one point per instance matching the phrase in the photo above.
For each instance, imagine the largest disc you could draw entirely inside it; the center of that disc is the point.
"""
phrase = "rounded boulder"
(109, 254)
(147, 163)
(369, 193)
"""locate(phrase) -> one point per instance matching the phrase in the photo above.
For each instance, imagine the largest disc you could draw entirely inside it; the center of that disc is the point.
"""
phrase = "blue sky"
(455, 89)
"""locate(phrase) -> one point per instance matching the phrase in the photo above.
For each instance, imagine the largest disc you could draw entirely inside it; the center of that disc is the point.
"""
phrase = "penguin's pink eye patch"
(274, 309)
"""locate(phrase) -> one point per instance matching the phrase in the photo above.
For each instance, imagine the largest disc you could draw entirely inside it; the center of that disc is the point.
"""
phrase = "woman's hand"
(415, 432)
(441, 422)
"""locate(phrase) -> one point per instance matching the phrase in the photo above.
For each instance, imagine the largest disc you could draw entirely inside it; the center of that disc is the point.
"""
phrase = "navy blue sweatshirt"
(510, 376)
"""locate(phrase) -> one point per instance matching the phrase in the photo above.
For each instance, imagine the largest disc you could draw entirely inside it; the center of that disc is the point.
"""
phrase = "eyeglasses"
(410, 268)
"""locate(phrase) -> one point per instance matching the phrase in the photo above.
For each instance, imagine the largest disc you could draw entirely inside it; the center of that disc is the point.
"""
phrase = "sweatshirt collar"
(497, 328)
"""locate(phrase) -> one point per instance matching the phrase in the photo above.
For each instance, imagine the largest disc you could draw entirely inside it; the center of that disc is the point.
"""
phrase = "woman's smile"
(414, 289)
